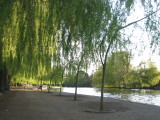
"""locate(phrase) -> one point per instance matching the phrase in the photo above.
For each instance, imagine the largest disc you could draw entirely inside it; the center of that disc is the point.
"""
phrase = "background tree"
(69, 80)
(118, 65)
(146, 75)
(83, 81)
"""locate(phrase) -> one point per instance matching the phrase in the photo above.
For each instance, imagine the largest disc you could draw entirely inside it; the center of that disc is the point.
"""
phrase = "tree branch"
(138, 20)
(101, 56)
(109, 46)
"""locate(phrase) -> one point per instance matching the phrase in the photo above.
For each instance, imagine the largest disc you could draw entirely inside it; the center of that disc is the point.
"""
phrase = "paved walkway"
(37, 105)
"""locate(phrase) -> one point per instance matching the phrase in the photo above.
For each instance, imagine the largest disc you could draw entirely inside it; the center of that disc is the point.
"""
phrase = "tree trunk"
(1, 81)
(102, 87)
(4, 79)
(60, 92)
(41, 84)
(104, 73)
(76, 84)
(49, 87)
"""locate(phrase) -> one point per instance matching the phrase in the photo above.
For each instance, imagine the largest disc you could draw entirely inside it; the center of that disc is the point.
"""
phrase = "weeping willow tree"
(33, 31)
(100, 25)
(78, 21)
(27, 37)
(5, 11)
(115, 22)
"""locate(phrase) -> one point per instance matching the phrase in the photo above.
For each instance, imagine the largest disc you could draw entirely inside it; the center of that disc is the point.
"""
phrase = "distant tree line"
(84, 80)
(120, 73)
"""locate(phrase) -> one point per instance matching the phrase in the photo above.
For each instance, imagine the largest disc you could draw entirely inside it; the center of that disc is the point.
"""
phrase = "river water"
(141, 96)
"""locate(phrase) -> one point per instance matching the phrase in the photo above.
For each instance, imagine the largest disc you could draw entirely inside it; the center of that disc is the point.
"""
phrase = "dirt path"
(36, 105)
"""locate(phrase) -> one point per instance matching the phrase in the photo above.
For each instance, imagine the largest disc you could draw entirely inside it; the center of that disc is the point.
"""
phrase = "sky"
(141, 41)
(143, 51)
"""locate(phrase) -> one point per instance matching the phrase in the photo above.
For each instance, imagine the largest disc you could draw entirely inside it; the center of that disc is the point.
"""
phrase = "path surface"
(37, 105)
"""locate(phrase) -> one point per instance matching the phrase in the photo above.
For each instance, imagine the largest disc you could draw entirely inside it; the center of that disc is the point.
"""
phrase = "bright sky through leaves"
(141, 48)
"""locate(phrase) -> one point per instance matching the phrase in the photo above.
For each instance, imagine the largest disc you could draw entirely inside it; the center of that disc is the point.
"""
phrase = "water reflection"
(142, 96)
